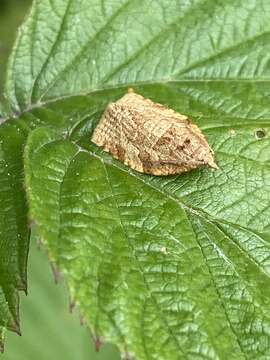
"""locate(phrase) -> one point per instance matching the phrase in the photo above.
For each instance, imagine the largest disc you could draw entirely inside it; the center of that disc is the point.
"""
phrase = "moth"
(151, 138)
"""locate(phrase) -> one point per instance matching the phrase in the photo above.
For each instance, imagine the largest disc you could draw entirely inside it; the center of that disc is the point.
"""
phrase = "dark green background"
(49, 331)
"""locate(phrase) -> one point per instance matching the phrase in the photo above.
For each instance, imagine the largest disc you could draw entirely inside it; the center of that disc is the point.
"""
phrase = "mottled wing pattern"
(150, 138)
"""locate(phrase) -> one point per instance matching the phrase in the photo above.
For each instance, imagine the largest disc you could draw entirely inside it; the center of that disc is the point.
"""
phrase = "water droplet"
(164, 250)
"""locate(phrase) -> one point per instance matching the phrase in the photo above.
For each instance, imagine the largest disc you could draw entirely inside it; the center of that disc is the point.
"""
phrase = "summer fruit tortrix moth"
(151, 138)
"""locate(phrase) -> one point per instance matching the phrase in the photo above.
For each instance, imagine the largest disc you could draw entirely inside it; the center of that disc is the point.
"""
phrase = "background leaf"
(177, 265)
(13, 217)
(11, 15)
(13, 226)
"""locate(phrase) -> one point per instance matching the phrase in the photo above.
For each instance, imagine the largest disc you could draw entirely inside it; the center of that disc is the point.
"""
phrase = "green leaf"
(68, 47)
(175, 265)
(151, 271)
(13, 226)
(47, 334)
(14, 223)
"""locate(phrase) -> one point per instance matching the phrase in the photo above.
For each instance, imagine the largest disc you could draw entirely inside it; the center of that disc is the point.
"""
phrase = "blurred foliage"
(49, 331)
(12, 13)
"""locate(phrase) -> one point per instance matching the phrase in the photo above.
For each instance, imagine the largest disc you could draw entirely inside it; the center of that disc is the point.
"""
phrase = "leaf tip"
(72, 305)
(15, 327)
(56, 273)
(98, 343)
(82, 321)
(24, 288)
(128, 356)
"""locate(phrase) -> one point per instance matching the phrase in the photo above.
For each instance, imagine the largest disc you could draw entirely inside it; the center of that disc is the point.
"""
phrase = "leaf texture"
(150, 271)
(13, 226)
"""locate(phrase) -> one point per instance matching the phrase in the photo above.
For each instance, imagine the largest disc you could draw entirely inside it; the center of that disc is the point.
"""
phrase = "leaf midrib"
(35, 81)
(137, 261)
(48, 102)
(216, 288)
(192, 210)
(113, 16)
(203, 255)
(85, 46)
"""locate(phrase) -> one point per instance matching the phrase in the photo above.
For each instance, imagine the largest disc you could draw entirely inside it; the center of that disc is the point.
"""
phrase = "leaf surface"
(152, 271)
(176, 265)
(13, 226)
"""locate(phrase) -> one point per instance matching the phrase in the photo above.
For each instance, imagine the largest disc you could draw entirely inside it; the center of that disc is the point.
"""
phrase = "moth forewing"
(151, 138)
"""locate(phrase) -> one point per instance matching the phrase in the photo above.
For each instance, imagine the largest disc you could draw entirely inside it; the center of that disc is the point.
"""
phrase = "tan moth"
(151, 138)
